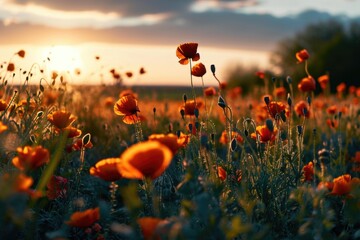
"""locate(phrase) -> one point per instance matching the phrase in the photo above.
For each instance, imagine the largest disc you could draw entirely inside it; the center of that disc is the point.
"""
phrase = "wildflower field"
(111, 162)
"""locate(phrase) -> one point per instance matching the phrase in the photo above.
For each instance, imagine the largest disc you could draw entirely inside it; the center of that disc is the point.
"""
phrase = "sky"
(130, 34)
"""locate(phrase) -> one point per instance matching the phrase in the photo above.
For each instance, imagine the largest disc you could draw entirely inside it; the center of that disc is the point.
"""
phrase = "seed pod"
(267, 100)
(212, 67)
(269, 124)
(221, 102)
(233, 144)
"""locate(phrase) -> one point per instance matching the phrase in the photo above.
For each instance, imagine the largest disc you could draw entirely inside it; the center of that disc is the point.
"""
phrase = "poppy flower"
(61, 119)
(21, 53)
(275, 108)
(302, 55)
(85, 218)
(187, 51)
(190, 106)
(235, 92)
(133, 119)
(332, 123)
(127, 92)
(302, 109)
(106, 169)
(323, 81)
(308, 172)
(56, 187)
(223, 85)
(142, 71)
(3, 105)
(10, 67)
(109, 102)
(148, 226)
(71, 132)
(198, 70)
(280, 92)
(170, 140)
(264, 133)
(3, 127)
(126, 106)
(31, 157)
(352, 90)
(78, 144)
(145, 160)
(221, 173)
(307, 84)
(129, 74)
(210, 91)
(183, 139)
(331, 110)
(343, 184)
(260, 74)
(224, 137)
(341, 88)
(50, 98)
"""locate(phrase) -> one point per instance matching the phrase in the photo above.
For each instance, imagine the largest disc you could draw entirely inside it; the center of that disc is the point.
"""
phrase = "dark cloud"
(216, 29)
(124, 7)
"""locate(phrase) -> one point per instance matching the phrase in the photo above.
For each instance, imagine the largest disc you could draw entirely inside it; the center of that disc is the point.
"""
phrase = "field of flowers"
(107, 162)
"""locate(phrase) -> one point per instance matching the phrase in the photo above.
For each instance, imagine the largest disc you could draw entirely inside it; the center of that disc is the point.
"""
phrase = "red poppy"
(323, 81)
(224, 137)
(308, 172)
(21, 53)
(129, 74)
(31, 158)
(307, 84)
(221, 173)
(84, 219)
(302, 55)
(78, 144)
(235, 92)
(332, 109)
(190, 106)
(275, 108)
(302, 109)
(61, 119)
(127, 92)
(3, 105)
(56, 187)
(106, 169)
(210, 91)
(223, 85)
(280, 92)
(332, 123)
(148, 226)
(10, 67)
(341, 88)
(71, 132)
(126, 106)
(198, 70)
(343, 184)
(142, 71)
(187, 51)
(145, 160)
(170, 140)
(264, 133)
(109, 102)
(260, 74)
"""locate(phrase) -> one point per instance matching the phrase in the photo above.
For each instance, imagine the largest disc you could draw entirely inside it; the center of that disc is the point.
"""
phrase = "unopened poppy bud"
(273, 79)
(184, 97)
(283, 136)
(305, 111)
(154, 109)
(289, 100)
(190, 127)
(212, 67)
(269, 124)
(197, 125)
(299, 130)
(221, 102)
(340, 114)
(178, 133)
(309, 100)
(212, 137)
(314, 131)
(288, 79)
(283, 116)
(182, 112)
(196, 112)
(233, 144)
(246, 132)
(267, 100)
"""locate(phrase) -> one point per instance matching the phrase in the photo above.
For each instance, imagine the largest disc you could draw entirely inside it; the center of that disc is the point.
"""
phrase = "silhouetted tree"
(333, 47)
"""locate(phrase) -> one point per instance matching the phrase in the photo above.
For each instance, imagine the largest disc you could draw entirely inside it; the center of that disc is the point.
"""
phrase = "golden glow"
(63, 58)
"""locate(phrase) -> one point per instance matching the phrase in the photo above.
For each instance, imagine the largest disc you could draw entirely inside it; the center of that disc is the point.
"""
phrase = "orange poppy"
(302, 109)
(127, 92)
(183, 139)
(84, 219)
(109, 102)
(235, 92)
(331, 110)
(21, 53)
(22, 183)
(198, 70)
(106, 169)
(148, 226)
(302, 55)
(308, 171)
(126, 106)
(61, 119)
(280, 92)
(341, 88)
(275, 108)
(190, 106)
(224, 137)
(78, 144)
(264, 133)
(221, 173)
(31, 158)
(307, 84)
(3, 105)
(332, 123)
(223, 85)
(56, 187)
(50, 97)
(352, 90)
(323, 81)
(3, 127)
(343, 184)
(260, 74)
(145, 160)
(133, 119)
(210, 91)
(10, 67)
(187, 51)
(170, 140)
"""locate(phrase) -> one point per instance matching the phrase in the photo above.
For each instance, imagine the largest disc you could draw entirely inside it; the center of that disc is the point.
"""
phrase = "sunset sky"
(130, 34)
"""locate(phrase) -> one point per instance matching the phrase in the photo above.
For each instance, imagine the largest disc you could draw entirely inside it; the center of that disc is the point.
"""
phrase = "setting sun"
(63, 58)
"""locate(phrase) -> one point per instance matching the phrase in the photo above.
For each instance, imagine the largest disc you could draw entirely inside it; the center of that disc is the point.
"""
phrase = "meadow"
(120, 162)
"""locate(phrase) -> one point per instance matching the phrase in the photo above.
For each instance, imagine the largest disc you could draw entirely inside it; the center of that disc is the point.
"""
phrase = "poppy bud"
(196, 112)
(154, 110)
(212, 67)
(305, 111)
(340, 114)
(269, 124)
(182, 112)
(267, 100)
(273, 79)
(185, 97)
(233, 144)
(289, 80)
(212, 137)
(309, 100)
(314, 131)
(283, 116)
(283, 135)
(289, 100)
(246, 132)
(197, 125)
(221, 102)
(178, 133)
(190, 127)
(299, 130)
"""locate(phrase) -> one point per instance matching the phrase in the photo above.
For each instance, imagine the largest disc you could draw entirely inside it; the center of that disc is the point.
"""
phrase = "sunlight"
(63, 58)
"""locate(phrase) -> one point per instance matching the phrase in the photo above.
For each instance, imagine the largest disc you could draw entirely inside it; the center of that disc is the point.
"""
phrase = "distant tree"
(333, 48)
